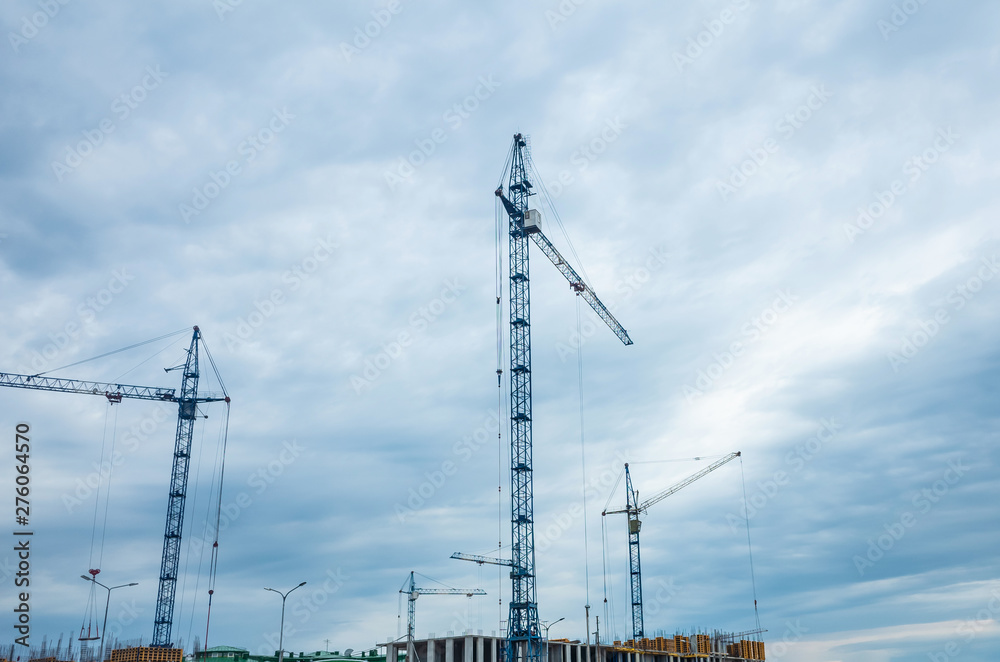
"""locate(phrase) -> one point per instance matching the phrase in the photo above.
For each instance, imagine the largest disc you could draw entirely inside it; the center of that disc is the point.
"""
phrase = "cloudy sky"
(787, 204)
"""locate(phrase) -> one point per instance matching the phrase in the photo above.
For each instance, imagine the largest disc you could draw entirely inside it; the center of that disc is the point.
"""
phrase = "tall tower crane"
(524, 634)
(632, 509)
(187, 404)
(412, 593)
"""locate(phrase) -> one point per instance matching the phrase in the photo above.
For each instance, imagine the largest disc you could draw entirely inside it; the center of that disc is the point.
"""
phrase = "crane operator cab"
(532, 221)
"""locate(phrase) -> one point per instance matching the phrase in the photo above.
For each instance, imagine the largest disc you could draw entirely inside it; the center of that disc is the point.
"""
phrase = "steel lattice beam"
(579, 286)
(113, 392)
(187, 409)
(524, 635)
(524, 642)
(635, 571)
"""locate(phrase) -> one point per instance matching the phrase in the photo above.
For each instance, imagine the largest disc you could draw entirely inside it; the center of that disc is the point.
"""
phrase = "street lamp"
(107, 604)
(547, 636)
(281, 632)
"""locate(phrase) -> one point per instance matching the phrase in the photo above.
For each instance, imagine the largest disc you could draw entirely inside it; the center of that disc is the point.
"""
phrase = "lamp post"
(281, 631)
(547, 636)
(107, 604)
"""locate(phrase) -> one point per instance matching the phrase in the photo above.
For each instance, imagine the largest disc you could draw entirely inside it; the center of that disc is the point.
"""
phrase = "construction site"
(519, 224)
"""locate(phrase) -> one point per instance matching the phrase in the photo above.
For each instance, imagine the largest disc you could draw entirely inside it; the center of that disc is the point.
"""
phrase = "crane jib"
(575, 281)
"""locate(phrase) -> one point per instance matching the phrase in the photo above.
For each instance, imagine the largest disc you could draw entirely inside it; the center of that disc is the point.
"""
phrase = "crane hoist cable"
(214, 563)
(107, 492)
(89, 631)
(192, 499)
(213, 568)
(583, 461)
(498, 291)
(746, 512)
(95, 547)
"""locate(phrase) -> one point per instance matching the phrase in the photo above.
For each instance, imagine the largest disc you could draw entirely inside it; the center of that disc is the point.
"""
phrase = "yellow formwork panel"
(147, 654)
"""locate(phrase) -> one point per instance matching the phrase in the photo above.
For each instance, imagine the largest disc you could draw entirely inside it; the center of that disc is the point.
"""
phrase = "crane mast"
(187, 403)
(523, 629)
(524, 636)
(632, 509)
(187, 406)
(635, 573)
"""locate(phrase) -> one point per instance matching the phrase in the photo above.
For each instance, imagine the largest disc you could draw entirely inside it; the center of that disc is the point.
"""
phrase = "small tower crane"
(187, 405)
(412, 593)
(524, 636)
(632, 509)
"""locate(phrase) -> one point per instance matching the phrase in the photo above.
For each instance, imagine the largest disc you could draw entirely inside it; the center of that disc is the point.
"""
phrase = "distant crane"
(412, 593)
(632, 509)
(475, 558)
(187, 403)
(524, 634)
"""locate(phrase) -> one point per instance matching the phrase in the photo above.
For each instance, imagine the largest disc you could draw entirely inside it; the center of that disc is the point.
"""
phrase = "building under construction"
(717, 647)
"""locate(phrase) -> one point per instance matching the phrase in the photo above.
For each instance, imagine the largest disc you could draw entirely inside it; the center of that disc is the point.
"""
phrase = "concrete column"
(390, 653)
(449, 650)
(430, 649)
(479, 650)
(468, 650)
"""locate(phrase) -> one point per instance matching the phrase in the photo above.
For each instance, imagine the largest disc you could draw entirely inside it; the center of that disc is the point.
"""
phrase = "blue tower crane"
(187, 403)
(632, 510)
(412, 592)
(524, 636)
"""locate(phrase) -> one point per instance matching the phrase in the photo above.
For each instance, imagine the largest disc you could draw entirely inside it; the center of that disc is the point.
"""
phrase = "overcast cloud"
(790, 205)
